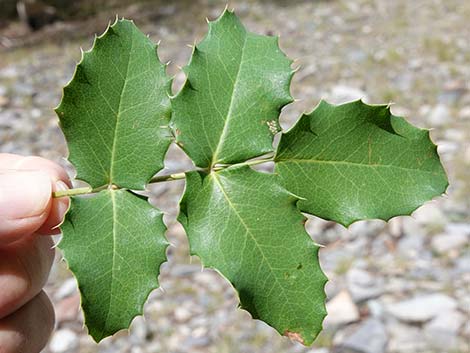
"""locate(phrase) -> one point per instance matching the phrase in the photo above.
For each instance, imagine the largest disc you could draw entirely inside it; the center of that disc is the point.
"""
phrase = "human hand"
(28, 215)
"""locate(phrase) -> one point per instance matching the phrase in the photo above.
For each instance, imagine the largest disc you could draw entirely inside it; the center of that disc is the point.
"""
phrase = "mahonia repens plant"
(342, 163)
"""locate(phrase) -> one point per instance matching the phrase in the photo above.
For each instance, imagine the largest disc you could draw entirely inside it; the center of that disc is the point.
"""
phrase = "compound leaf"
(245, 225)
(114, 244)
(237, 82)
(115, 111)
(356, 161)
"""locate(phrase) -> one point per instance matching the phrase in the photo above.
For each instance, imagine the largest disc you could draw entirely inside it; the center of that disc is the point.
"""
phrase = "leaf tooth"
(116, 20)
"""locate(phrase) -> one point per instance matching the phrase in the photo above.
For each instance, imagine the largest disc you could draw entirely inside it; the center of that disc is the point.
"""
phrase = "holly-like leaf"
(114, 244)
(356, 161)
(237, 82)
(245, 225)
(115, 111)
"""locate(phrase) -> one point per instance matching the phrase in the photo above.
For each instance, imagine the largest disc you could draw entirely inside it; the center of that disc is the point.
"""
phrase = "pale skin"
(28, 216)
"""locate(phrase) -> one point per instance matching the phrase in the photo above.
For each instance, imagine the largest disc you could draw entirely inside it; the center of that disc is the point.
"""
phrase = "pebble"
(64, 340)
(341, 310)
(68, 287)
(67, 309)
(362, 285)
(430, 215)
(443, 243)
(458, 228)
(138, 331)
(342, 93)
(406, 339)
(439, 115)
(442, 331)
(465, 113)
(370, 337)
(182, 314)
(449, 321)
(421, 308)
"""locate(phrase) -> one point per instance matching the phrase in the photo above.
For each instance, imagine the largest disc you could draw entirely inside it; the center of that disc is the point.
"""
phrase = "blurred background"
(397, 287)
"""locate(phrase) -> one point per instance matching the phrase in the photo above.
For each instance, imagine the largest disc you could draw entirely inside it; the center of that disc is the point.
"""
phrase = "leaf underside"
(114, 243)
(244, 224)
(115, 111)
(356, 161)
(237, 82)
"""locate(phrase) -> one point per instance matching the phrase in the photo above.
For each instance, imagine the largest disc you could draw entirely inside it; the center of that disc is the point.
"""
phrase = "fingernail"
(24, 194)
(60, 186)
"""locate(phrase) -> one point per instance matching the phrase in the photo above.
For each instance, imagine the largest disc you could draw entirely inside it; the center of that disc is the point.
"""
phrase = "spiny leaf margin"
(115, 155)
(135, 256)
(313, 157)
(289, 259)
(216, 127)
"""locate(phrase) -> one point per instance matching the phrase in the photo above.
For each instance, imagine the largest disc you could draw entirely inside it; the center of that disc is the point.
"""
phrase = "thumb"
(25, 202)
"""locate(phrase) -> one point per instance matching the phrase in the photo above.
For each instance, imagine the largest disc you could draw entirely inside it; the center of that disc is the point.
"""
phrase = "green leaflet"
(244, 224)
(355, 161)
(237, 82)
(115, 111)
(114, 243)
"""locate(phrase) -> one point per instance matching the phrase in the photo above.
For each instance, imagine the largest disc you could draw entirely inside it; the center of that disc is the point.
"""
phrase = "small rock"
(405, 339)
(68, 288)
(138, 332)
(341, 310)
(421, 308)
(430, 215)
(182, 314)
(370, 337)
(318, 350)
(411, 245)
(448, 321)
(465, 113)
(196, 342)
(4, 101)
(443, 243)
(446, 147)
(458, 228)
(9, 72)
(64, 340)
(376, 308)
(67, 308)
(137, 349)
(462, 264)
(439, 116)
(442, 331)
(343, 93)
(362, 285)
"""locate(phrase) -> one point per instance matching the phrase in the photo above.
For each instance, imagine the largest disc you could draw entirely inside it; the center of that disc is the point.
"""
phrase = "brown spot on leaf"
(294, 336)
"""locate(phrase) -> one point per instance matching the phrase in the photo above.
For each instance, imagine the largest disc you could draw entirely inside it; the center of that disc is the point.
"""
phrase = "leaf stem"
(161, 178)
(72, 192)
(156, 179)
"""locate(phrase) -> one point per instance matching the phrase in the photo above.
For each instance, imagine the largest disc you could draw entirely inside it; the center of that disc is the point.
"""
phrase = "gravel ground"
(397, 287)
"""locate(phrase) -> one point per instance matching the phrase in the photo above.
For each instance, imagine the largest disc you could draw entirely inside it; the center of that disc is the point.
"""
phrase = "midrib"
(229, 112)
(355, 164)
(113, 203)
(248, 231)
(118, 115)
